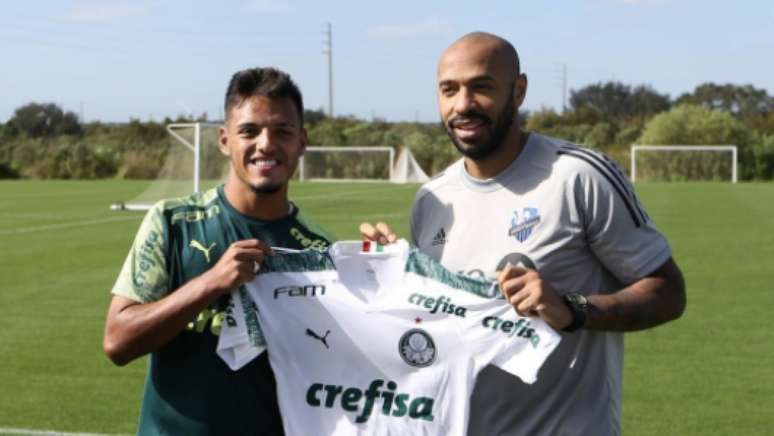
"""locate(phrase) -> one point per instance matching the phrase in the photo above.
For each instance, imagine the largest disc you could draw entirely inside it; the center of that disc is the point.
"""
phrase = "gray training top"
(571, 214)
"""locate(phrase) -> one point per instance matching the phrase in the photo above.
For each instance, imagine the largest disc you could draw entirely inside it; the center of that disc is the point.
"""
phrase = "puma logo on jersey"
(198, 246)
(439, 238)
(323, 338)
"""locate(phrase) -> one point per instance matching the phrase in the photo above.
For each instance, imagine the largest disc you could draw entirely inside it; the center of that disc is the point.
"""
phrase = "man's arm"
(655, 299)
(133, 329)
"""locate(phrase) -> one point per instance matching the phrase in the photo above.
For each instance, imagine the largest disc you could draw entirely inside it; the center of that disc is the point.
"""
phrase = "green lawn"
(60, 250)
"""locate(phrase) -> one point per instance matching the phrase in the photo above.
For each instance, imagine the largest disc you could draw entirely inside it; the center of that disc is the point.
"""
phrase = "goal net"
(407, 170)
(346, 164)
(193, 163)
(684, 163)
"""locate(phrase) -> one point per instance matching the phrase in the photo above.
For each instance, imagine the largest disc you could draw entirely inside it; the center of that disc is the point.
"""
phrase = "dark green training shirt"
(189, 390)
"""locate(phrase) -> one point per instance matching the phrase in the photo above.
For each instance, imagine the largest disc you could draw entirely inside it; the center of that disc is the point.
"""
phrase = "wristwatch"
(579, 306)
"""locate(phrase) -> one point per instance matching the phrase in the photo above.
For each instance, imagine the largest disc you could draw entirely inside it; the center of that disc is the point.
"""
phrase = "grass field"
(710, 373)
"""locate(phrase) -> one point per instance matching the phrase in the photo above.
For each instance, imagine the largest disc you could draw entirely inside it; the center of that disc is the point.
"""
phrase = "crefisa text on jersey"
(393, 404)
(442, 303)
(521, 328)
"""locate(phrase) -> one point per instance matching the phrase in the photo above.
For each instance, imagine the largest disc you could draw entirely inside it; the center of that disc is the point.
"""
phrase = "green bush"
(72, 161)
(763, 158)
(141, 164)
(6, 172)
(698, 125)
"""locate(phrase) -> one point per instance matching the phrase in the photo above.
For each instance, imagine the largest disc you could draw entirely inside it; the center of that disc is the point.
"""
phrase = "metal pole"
(633, 165)
(329, 51)
(197, 152)
(392, 162)
(564, 88)
(733, 168)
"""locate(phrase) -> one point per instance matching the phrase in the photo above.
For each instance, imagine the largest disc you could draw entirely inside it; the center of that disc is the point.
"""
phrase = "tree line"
(41, 140)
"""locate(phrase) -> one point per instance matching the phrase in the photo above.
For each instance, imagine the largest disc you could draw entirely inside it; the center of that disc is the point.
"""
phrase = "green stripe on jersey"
(417, 263)
(301, 261)
(421, 264)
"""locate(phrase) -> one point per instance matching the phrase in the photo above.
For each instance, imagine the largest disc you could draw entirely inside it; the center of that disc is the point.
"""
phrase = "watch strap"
(579, 307)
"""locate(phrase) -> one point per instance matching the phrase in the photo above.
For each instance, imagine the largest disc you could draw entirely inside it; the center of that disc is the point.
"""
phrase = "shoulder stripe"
(619, 175)
(308, 260)
(421, 264)
(610, 178)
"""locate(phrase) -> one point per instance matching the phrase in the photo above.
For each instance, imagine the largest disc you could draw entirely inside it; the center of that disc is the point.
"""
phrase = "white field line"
(67, 225)
(321, 196)
(33, 432)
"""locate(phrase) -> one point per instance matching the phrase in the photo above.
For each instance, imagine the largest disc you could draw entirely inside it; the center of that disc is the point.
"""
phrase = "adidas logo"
(439, 238)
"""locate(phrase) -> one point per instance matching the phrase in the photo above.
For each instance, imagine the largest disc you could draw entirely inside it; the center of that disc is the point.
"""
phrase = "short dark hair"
(267, 82)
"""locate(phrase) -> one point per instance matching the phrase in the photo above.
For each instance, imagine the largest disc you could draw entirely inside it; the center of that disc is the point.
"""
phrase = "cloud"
(104, 12)
(269, 6)
(429, 28)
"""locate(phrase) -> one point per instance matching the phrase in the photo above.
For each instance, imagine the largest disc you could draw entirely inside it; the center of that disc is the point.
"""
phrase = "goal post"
(192, 163)
(665, 165)
(195, 147)
(407, 169)
(346, 164)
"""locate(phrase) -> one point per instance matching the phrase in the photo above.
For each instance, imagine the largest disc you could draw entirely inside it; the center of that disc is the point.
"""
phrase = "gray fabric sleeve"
(618, 230)
(416, 218)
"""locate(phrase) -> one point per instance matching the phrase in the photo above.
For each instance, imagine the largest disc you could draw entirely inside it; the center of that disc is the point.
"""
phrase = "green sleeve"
(144, 276)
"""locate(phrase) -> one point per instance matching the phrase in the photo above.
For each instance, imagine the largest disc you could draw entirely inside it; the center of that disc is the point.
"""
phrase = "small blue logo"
(522, 224)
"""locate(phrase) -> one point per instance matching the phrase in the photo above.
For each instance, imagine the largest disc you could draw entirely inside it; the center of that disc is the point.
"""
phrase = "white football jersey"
(571, 214)
(377, 343)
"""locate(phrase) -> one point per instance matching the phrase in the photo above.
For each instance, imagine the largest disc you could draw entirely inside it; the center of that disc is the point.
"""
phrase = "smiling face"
(479, 91)
(264, 139)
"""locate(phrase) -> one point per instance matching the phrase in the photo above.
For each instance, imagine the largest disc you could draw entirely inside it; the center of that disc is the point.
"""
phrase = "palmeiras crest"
(523, 223)
(417, 348)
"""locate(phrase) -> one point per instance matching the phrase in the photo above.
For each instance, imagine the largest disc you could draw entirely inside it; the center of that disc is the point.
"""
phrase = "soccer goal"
(684, 163)
(407, 169)
(193, 163)
(346, 164)
(360, 164)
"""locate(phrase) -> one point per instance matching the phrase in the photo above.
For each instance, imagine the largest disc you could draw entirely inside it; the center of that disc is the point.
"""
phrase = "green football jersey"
(189, 390)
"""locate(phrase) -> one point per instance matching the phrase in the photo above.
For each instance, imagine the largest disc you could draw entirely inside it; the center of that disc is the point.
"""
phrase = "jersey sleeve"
(619, 232)
(144, 276)
(416, 218)
(241, 339)
(500, 337)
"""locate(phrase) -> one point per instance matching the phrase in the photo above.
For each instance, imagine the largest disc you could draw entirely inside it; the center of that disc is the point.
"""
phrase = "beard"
(266, 189)
(497, 132)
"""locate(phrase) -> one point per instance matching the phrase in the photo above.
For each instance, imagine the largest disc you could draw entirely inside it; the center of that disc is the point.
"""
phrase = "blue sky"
(150, 59)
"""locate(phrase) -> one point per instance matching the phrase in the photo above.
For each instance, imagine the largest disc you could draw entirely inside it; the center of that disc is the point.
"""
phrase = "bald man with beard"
(561, 229)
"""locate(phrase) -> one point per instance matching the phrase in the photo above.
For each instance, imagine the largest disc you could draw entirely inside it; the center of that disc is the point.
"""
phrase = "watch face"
(577, 300)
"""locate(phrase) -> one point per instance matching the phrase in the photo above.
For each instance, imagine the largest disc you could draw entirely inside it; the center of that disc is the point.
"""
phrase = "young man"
(170, 299)
(561, 229)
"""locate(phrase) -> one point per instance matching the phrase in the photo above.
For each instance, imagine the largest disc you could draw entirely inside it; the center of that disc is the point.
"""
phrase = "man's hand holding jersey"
(135, 328)
(236, 266)
(524, 288)
(379, 232)
(530, 295)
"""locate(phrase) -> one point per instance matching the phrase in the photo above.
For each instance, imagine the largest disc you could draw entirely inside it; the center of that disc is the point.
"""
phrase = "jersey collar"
(498, 181)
